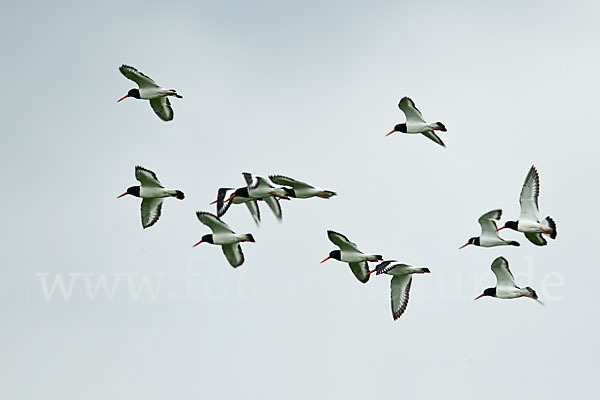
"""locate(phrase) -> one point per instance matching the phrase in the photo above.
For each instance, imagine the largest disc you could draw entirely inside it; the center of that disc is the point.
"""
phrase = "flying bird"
(505, 284)
(223, 236)
(489, 237)
(228, 196)
(529, 221)
(152, 193)
(415, 123)
(301, 190)
(260, 188)
(149, 90)
(400, 284)
(349, 253)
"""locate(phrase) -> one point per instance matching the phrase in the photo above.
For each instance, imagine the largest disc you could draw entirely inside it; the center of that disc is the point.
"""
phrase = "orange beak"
(229, 199)
(121, 195)
(123, 98)
(480, 296)
(370, 272)
(328, 257)
(390, 133)
(463, 246)
(197, 244)
(499, 229)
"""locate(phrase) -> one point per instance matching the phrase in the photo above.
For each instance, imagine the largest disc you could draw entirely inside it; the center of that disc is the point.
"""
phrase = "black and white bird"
(489, 237)
(349, 253)
(152, 193)
(260, 189)
(529, 221)
(505, 284)
(150, 90)
(301, 190)
(228, 196)
(225, 237)
(415, 123)
(400, 284)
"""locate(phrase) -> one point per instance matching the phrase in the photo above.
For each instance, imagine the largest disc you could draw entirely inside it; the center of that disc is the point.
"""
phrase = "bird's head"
(208, 238)
(241, 192)
(335, 254)
(510, 225)
(133, 190)
(398, 128)
(135, 93)
(487, 292)
(473, 241)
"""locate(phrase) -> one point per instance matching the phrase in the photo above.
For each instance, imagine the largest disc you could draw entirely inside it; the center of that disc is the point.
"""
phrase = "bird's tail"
(533, 295)
(327, 194)
(438, 126)
(549, 223)
(177, 194)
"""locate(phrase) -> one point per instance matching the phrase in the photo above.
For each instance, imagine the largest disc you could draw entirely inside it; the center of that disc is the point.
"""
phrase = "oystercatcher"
(529, 221)
(225, 237)
(415, 123)
(505, 284)
(400, 284)
(489, 237)
(349, 253)
(152, 193)
(149, 90)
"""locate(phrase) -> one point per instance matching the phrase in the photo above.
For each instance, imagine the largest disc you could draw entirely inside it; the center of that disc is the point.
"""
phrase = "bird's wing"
(342, 241)
(536, 238)
(146, 177)
(411, 111)
(143, 81)
(233, 253)
(529, 196)
(213, 222)
(274, 205)
(386, 266)
(488, 225)
(400, 286)
(162, 108)
(360, 270)
(151, 211)
(285, 181)
(254, 210)
(223, 206)
(431, 135)
(503, 275)
(251, 180)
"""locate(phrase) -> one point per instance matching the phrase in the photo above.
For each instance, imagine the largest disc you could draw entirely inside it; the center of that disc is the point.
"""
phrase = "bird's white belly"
(260, 193)
(240, 200)
(305, 193)
(417, 127)
(224, 238)
(485, 241)
(529, 226)
(352, 256)
(508, 292)
(153, 192)
(152, 93)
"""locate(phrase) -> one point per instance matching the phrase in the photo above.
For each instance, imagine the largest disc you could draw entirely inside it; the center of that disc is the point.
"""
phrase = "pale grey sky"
(305, 89)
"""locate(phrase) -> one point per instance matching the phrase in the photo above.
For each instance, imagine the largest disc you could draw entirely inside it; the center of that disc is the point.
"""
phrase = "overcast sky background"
(306, 89)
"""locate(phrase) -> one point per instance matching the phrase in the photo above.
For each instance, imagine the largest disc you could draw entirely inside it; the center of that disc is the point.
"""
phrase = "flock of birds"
(277, 188)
